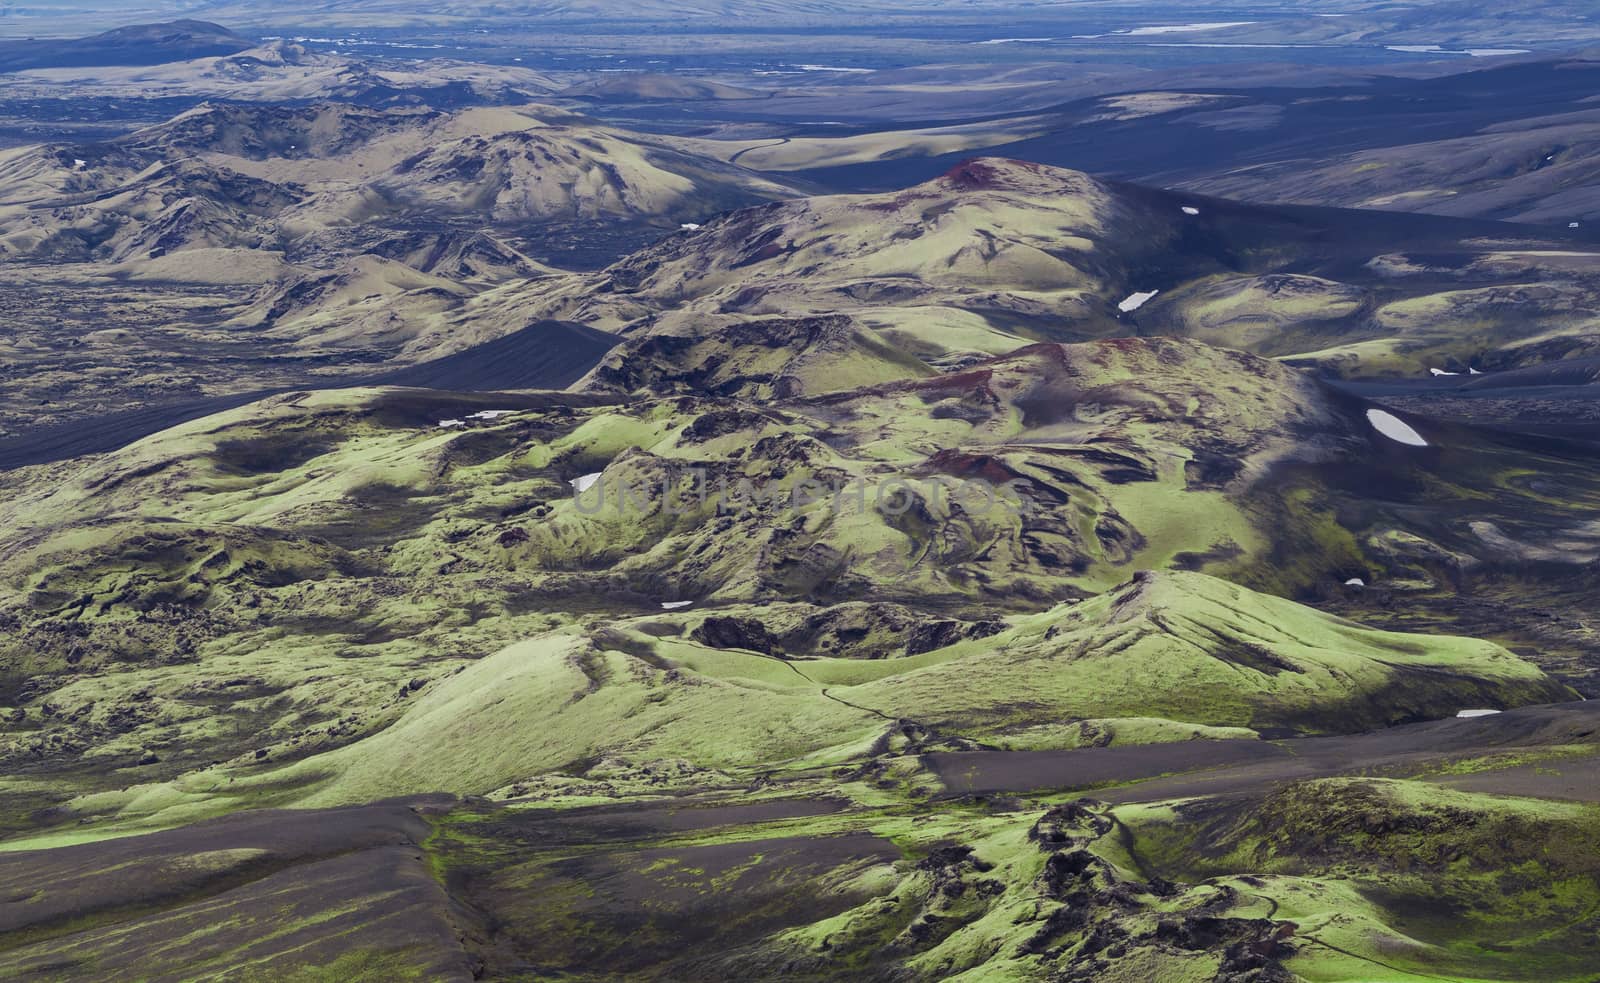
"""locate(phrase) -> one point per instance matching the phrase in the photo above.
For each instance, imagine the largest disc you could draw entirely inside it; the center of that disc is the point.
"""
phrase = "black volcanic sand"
(1560, 398)
(1149, 773)
(445, 888)
(1556, 399)
(672, 905)
(604, 892)
(313, 886)
(1313, 123)
(553, 892)
(545, 356)
(612, 823)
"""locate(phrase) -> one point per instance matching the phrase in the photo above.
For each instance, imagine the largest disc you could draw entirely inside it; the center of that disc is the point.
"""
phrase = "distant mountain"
(288, 72)
(1513, 139)
(288, 178)
(325, 237)
(1544, 170)
(142, 44)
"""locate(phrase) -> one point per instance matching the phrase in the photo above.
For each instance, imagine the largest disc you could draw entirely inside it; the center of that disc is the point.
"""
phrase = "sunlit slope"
(1168, 657)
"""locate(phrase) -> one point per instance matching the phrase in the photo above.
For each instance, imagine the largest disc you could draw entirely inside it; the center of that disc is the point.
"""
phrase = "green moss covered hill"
(781, 736)
(816, 647)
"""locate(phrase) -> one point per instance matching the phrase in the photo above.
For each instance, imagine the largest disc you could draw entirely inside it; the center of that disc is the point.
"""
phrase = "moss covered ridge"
(1000, 253)
(663, 721)
(1168, 657)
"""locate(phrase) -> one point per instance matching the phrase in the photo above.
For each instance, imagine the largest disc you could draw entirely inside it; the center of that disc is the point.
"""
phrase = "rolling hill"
(310, 168)
(848, 526)
(999, 253)
(143, 44)
(1541, 171)
(314, 239)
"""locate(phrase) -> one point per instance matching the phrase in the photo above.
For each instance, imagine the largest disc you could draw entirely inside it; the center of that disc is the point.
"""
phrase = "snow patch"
(674, 605)
(1190, 210)
(690, 227)
(1439, 49)
(1477, 713)
(583, 483)
(452, 423)
(1139, 32)
(1355, 582)
(1136, 301)
(489, 414)
(1223, 44)
(1439, 372)
(1395, 428)
(78, 163)
(1473, 372)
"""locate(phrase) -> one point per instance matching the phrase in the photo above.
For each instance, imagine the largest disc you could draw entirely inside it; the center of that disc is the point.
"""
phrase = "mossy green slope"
(1401, 877)
(282, 580)
(334, 598)
(1175, 656)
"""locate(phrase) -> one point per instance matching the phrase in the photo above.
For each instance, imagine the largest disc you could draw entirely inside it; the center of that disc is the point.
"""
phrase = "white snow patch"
(674, 605)
(583, 483)
(690, 227)
(490, 414)
(1574, 225)
(452, 423)
(1190, 210)
(1477, 713)
(1355, 582)
(1136, 301)
(79, 163)
(1015, 41)
(1223, 44)
(1473, 372)
(1439, 49)
(1185, 28)
(1395, 428)
(1439, 372)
